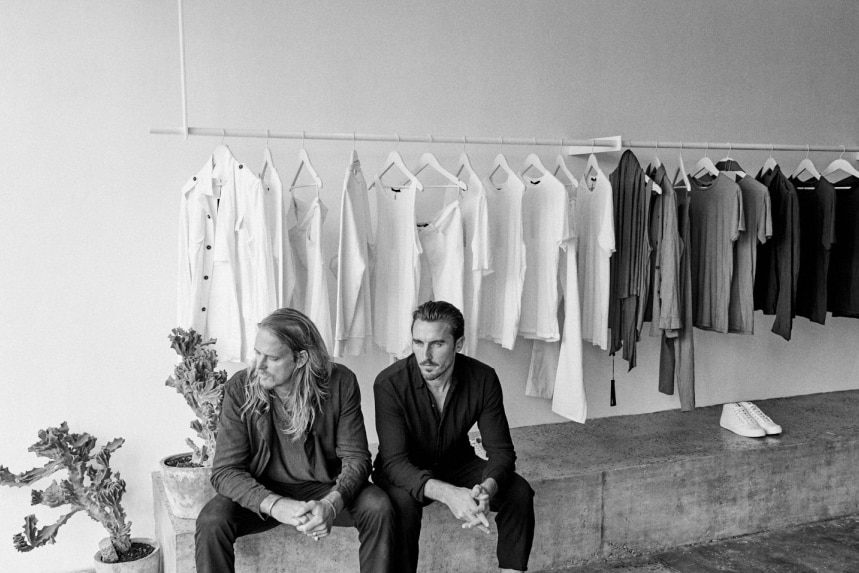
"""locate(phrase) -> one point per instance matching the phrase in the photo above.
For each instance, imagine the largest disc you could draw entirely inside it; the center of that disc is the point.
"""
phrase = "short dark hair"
(441, 311)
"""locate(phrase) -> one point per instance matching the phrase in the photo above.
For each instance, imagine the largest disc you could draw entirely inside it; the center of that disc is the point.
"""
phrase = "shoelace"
(747, 418)
(755, 412)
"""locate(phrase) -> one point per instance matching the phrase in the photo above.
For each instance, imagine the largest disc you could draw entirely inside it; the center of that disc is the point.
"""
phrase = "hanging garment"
(677, 351)
(758, 224)
(443, 248)
(478, 255)
(226, 277)
(354, 318)
(630, 264)
(716, 213)
(778, 258)
(843, 284)
(817, 234)
(594, 230)
(280, 217)
(502, 296)
(396, 275)
(665, 271)
(545, 227)
(311, 284)
(568, 399)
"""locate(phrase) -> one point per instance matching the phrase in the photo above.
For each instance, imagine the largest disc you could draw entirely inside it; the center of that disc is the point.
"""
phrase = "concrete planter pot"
(149, 564)
(187, 489)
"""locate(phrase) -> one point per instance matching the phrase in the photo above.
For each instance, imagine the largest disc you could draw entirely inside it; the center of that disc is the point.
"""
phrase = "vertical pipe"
(182, 72)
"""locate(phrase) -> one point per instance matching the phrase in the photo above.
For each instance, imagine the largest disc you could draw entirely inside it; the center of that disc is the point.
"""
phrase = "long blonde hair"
(298, 333)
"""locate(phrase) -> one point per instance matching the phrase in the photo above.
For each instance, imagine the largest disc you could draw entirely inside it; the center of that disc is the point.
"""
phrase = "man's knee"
(518, 492)
(213, 517)
(374, 502)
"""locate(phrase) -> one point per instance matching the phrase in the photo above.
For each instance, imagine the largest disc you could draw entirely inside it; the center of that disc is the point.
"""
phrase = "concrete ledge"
(614, 487)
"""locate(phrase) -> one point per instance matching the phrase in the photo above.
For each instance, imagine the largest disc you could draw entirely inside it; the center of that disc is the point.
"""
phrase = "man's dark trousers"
(222, 521)
(515, 517)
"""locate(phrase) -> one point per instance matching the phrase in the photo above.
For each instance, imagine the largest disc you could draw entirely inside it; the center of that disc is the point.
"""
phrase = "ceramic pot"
(149, 564)
(187, 489)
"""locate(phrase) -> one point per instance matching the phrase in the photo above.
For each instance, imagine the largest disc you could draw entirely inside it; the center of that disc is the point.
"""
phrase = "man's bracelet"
(329, 502)
(267, 510)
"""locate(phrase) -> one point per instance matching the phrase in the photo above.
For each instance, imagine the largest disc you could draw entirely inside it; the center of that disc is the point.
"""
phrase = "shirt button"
(240, 166)
(203, 309)
(208, 216)
(208, 247)
(195, 178)
(205, 277)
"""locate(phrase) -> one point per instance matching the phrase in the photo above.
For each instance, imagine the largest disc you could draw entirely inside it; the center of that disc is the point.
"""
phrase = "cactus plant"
(90, 486)
(202, 386)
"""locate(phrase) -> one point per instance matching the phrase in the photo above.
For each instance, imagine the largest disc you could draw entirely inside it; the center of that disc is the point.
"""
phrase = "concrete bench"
(614, 487)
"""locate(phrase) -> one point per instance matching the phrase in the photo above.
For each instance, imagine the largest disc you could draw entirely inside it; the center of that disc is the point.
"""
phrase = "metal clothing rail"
(466, 140)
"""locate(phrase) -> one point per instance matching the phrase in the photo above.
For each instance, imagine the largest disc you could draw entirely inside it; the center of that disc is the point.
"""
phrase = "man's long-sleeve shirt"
(418, 443)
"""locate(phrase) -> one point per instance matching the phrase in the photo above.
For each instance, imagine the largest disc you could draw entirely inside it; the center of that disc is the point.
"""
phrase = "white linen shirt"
(280, 217)
(225, 275)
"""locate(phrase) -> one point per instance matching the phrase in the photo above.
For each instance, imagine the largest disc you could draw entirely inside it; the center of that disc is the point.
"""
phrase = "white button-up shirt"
(226, 274)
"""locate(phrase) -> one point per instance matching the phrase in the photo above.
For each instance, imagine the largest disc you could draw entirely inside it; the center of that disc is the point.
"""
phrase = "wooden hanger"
(840, 167)
(396, 160)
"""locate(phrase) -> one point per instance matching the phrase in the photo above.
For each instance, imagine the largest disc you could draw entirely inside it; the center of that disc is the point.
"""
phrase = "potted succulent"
(90, 486)
(186, 476)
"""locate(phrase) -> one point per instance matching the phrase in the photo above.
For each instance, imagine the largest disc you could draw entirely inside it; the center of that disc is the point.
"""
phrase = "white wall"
(90, 199)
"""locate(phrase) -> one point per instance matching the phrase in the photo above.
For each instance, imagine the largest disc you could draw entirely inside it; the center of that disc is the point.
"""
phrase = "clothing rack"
(464, 140)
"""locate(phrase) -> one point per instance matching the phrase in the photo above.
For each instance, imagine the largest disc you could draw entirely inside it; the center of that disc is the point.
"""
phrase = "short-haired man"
(425, 405)
(292, 449)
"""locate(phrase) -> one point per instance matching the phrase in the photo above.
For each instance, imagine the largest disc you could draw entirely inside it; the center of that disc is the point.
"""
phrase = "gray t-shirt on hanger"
(716, 219)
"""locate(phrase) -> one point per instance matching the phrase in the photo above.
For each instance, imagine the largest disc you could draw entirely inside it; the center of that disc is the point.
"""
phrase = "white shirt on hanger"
(280, 217)
(354, 318)
(224, 250)
(443, 245)
(311, 286)
(595, 244)
(502, 290)
(478, 255)
(545, 228)
(396, 276)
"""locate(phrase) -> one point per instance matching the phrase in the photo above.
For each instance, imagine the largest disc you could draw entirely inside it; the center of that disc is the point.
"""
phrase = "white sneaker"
(761, 419)
(736, 419)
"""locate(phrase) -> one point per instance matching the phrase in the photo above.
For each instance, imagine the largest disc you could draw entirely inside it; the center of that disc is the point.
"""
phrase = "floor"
(827, 546)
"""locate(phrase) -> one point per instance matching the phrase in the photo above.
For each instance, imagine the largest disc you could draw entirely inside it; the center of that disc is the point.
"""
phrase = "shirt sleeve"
(231, 476)
(351, 445)
(495, 434)
(393, 445)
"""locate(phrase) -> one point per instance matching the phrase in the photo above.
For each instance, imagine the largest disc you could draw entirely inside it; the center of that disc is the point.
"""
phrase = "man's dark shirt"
(417, 443)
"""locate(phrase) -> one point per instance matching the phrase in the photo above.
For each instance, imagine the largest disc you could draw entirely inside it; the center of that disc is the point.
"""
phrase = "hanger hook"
(501, 146)
(593, 145)
(561, 147)
(534, 143)
(730, 148)
(430, 138)
(843, 151)
(464, 143)
(707, 150)
(681, 150)
(398, 141)
(657, 146)
(223, 135)
(353, 141)
(267, 135)
(807, 150)
(772, 149)
(302, 140)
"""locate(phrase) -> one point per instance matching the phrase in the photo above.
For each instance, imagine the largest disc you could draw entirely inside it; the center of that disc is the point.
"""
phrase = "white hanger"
(770, 163)
(501, 163)
(561, 167)
(304, 162)
(705, 165)
(728, 162)
(592, 168)
(222, 153)
(429, 160)
(806, 166)
(396, 160)
(656, 161)
(533, 161)
(682, 170)
(841, 165)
